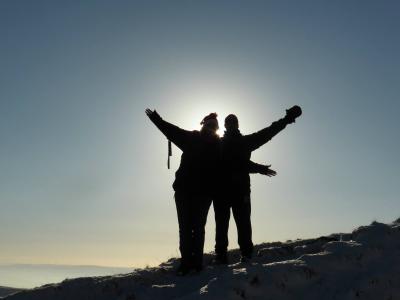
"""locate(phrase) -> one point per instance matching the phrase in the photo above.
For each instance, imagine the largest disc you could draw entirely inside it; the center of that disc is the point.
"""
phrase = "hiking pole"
(169, 152)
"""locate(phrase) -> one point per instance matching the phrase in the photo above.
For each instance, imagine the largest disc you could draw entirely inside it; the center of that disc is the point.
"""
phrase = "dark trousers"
(192, 217)
(241, 209)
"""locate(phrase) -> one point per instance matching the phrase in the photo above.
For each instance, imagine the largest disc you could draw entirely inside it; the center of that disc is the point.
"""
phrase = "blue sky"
(83, 175)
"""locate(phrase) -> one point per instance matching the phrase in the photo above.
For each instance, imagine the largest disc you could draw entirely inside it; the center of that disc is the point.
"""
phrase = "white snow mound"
(362, 265)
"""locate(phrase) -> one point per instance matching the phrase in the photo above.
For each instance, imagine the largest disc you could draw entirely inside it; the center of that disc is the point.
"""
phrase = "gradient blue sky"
(83, 175)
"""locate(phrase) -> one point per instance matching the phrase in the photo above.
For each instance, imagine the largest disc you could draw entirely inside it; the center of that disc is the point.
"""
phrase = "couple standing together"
(216, 169)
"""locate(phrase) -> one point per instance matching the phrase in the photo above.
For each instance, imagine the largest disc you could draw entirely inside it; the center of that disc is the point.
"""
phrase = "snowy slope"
(4, 291)
(33, 275)
(362, 265)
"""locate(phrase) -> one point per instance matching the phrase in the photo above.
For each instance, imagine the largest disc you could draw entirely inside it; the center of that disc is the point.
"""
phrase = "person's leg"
(201, 205)
(241, 208)
(183, 208)
(222, 212)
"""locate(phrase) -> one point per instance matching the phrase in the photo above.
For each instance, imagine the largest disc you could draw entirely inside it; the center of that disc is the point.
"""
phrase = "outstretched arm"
(259, 138)
(261, 169)
(173, 133)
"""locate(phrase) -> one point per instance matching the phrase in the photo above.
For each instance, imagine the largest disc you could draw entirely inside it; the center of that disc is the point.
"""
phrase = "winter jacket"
(199, 166)
(235, 156)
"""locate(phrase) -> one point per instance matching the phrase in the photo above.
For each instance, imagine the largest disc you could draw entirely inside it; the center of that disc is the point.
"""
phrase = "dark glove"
(293, 113)
(153, 115)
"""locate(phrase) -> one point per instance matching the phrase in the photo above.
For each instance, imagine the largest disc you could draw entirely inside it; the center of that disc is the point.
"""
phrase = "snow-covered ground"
(27, 276)
(364, 264)
(4, 291)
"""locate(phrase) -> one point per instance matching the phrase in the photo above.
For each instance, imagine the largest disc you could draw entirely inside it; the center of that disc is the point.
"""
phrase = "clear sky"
(83, 177)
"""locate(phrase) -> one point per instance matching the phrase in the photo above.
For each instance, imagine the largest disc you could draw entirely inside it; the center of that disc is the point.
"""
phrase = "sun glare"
(201, 106)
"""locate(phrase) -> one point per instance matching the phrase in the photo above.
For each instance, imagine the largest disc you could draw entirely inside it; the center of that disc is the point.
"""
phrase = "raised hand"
(149, 112)
(265, 170)
(293, 113)
(152, 114)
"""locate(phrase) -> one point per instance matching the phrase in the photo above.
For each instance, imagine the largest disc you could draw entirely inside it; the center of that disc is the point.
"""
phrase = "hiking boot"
(183, 270)
(198, 268)
(245, 258)
(220, 259)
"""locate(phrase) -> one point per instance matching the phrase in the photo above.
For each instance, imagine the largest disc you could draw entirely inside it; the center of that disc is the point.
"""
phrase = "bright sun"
(191, 118)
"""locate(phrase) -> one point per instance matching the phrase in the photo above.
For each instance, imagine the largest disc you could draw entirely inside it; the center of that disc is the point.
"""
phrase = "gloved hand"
(293, 113)
(153, 115)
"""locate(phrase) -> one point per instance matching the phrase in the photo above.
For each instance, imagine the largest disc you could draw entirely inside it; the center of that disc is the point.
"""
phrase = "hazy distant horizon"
(33, 275)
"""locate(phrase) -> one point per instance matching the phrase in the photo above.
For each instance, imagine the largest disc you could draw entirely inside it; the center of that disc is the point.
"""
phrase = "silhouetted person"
(195, 184)
(235, 190)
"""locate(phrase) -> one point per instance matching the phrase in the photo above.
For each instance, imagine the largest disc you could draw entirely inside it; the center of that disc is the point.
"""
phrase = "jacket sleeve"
(173, 133)
(255, 140)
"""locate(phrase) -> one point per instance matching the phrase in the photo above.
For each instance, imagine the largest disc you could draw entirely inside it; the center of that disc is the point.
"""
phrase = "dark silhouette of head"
(231, 122)
(210, 123)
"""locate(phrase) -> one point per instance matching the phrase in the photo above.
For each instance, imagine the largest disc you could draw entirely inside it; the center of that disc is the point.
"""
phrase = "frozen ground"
(27, 276)
(364, 264)
(7, 291)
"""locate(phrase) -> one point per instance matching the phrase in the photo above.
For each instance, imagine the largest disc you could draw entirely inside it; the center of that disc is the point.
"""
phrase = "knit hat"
(210, 119)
